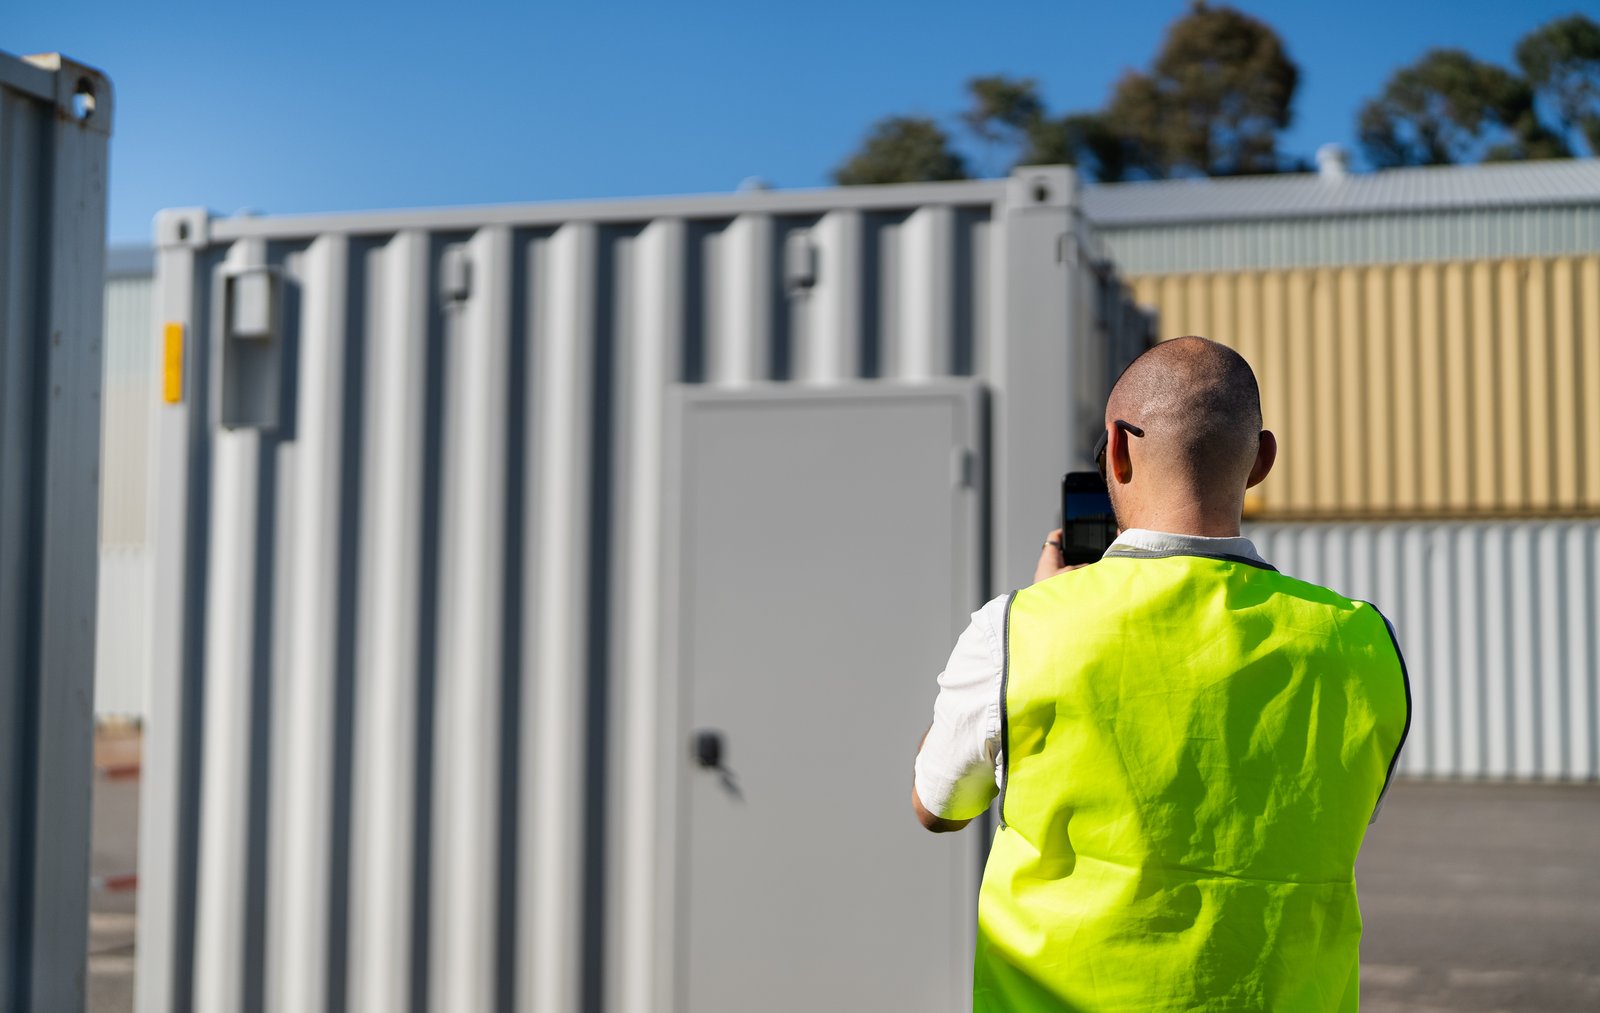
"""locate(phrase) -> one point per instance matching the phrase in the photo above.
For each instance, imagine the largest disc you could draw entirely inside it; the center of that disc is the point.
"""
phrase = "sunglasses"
(1105, 437)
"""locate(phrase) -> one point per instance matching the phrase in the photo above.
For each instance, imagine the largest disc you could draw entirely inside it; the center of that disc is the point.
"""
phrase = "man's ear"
(1119, 465)
(1266, 454)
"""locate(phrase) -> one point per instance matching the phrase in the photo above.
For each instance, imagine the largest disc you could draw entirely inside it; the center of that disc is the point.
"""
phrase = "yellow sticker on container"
(172, 363)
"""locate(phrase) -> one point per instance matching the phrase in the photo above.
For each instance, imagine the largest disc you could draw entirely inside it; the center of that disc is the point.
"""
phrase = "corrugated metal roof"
(1306, 195)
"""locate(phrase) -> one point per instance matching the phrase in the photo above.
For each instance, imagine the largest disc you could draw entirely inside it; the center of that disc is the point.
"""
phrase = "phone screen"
(1087, 523)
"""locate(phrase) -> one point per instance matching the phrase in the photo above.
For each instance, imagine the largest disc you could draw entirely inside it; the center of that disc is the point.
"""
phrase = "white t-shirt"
(960, 765)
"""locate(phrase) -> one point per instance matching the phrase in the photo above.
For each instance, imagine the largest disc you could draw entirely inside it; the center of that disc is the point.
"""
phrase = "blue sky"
(295, 107)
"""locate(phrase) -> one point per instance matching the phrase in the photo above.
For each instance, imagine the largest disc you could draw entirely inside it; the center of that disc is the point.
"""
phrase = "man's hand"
(1050, 563)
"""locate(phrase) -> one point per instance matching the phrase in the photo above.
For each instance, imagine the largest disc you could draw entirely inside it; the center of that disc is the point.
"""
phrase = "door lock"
(708, 749)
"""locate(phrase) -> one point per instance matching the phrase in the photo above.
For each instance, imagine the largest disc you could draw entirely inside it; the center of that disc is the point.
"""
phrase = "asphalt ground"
(112, 899)
(1476, 897)
(1480, 897)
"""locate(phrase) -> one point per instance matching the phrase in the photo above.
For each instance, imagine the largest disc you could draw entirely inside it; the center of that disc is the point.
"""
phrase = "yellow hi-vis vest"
(1193, 750)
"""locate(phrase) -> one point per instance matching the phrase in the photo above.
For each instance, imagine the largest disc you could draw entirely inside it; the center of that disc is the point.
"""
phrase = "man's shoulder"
(1349, 613)
(991, 617)
(1322, 594)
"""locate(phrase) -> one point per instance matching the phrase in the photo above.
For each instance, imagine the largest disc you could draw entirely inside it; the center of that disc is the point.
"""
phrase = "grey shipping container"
(55, 120)
(435, 589)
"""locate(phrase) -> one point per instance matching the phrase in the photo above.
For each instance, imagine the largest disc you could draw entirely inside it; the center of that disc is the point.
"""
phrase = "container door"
(827, 560)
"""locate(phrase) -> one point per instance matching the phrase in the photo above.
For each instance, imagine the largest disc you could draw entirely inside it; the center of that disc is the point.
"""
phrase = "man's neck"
(1187, 519)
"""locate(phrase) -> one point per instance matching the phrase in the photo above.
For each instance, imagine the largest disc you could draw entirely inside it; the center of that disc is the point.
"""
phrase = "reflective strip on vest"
(1193, 749)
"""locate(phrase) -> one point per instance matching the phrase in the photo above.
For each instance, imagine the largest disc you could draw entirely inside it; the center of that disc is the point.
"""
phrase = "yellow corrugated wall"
(1402, 390)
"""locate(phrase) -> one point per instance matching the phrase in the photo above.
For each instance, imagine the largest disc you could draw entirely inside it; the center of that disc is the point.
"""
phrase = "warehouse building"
(1428, 339)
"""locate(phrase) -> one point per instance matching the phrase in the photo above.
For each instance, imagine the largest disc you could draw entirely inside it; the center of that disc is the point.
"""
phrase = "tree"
(902, 149)
(1086, 140)
(1004, 110)
(1450, 107)
(1561, 63)
(1007, 112)
(1214, 102)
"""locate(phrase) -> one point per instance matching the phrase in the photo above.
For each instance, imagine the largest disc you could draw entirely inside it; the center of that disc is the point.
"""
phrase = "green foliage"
(1008, 112)
(1214, 102)
(902, 149)
(1451, 107)
(1218, 94)
(1441, 110)
(1086, 140)
(1561, 63)
(1004, 109)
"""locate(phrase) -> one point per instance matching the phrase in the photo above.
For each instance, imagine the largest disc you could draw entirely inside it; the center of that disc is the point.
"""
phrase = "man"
(1188, 745)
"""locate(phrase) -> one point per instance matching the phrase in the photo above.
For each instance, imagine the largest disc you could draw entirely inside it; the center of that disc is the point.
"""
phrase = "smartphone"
(1087, 525)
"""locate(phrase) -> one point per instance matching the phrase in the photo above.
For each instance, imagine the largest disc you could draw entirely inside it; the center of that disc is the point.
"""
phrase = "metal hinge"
(1067, 249)
(455, 275)
(252, 347)
(799, 262)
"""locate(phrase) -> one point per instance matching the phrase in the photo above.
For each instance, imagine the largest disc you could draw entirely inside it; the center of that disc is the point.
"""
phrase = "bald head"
(1199, 406)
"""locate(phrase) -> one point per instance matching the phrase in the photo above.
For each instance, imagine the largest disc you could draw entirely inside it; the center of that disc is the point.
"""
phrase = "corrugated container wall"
(1456, 389)
(122, 642)
(1497, 621)
(1388, 237)
(55, 122)
(408, 499)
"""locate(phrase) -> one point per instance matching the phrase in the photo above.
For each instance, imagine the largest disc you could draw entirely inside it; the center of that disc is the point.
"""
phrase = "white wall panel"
(122, 659)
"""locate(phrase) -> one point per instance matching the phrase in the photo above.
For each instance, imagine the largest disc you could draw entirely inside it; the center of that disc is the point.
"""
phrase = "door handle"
(707, 749)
